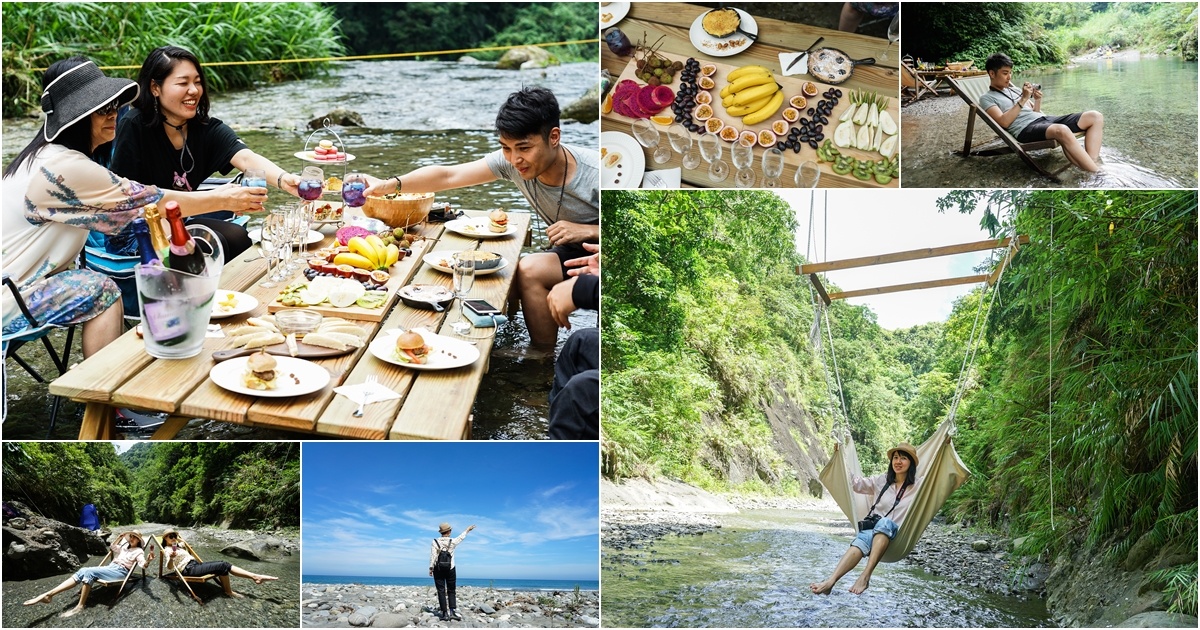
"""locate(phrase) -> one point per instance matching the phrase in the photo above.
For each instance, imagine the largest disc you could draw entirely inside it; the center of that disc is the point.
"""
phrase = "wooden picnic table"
(433, 405)
(774, 37)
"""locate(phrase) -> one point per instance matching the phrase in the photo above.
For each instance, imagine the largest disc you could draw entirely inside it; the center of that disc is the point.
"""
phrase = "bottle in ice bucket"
(158, 234)
(183, 254)
(164, 322)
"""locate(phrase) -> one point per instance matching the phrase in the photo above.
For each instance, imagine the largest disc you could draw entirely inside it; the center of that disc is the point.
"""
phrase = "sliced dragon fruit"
(662, 96)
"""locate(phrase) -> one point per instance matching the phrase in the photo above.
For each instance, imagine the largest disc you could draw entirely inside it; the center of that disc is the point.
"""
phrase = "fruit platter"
(356, 278)
(851, 134)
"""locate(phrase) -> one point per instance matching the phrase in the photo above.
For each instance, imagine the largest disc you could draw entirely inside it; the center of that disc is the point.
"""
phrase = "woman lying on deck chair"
(127, 552)
(175, 551)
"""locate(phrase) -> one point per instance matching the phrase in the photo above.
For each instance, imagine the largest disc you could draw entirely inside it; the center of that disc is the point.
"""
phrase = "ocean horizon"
(498, 584)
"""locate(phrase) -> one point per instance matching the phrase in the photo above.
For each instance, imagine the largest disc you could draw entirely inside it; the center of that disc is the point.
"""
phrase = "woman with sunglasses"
(178, 555)
(127, 551)
(54, 193)
(169, 139)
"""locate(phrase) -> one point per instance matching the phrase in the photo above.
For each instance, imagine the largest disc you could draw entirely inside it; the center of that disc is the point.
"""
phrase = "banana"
(766, 112)
(354, 260)
(744, 70)
(393, 254)
(360, 246)
(380, 249)
(749, 108)
(749, 95)
(749, 81)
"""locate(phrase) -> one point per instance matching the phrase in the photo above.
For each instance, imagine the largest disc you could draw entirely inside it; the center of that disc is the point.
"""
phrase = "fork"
(371, 381)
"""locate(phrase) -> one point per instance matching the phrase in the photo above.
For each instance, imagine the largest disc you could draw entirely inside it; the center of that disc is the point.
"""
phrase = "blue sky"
(374, 509)
(867, 222)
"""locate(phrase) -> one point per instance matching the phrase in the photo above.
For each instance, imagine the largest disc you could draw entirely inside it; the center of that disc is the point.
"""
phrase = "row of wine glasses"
(711, 149)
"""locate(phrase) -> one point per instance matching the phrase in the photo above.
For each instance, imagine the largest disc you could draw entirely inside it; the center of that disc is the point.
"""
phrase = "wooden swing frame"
(812, 269)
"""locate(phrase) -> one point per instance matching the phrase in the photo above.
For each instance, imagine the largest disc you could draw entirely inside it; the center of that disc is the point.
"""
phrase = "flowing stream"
(415, 113)
(755, 570)
(1149, 107)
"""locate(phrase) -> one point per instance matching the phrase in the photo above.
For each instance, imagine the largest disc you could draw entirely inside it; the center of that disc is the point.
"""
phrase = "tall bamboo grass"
(120, 34)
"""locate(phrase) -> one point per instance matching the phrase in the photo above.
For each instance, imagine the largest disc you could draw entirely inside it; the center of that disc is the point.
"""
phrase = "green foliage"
(973, 31)
(247, 485)
(1152, 27)
(433, 26)
(56, 479)
(37, 34)
(1119, 450)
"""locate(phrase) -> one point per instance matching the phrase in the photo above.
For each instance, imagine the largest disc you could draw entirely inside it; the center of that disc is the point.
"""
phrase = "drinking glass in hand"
(743, 159)
(254, 178)
(772, 166)
(464, 274)
(312, 183)
(354, 190)
(681, 141)
(647, 135)
(710, 150)
(808, 175)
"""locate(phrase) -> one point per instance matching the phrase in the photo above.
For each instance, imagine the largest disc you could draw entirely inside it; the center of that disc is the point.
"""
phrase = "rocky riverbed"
(356, 605)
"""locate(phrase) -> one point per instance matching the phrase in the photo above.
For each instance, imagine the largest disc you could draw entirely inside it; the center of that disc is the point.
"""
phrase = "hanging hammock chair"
(938, 463)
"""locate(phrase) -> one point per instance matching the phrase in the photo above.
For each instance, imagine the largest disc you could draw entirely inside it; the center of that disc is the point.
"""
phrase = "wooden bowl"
(405, 210)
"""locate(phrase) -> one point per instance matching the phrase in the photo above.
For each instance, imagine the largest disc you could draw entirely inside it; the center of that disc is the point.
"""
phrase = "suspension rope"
(1050, 402)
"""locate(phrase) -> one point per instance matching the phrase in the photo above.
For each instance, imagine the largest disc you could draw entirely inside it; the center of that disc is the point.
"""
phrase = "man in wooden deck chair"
(127, 552)
(1020, 112)
(180, 556)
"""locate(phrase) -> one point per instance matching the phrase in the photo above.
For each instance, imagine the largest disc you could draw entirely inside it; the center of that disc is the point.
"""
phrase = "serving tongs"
(738, 29)
(804, 53)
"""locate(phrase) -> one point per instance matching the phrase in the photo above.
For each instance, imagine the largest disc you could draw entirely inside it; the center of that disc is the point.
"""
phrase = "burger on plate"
(411, 348)
(498, 221)
(260, 371)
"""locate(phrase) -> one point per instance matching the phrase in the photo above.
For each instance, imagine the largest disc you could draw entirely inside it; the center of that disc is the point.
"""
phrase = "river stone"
(369, 594)
(390, 620)
(487, 610)
(268, 548)
(524, 57)
(981, 545)
(338, 116)
(1159, 619)
(470, 61)
(399, 607)
(359, 619)
(586, 110)
(17, 523)
(591, 622)
(46, 547)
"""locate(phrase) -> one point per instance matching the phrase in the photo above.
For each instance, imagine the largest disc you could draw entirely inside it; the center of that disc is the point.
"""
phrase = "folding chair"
(971, 90)
(171, 575)
(914, 87)
(116, 582)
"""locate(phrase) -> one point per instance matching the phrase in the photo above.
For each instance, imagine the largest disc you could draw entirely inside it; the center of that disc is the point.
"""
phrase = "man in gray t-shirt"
(1020, 113)
(561, 183)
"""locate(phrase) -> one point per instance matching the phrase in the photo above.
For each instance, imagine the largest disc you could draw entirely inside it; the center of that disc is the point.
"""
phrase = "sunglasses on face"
(109, 109)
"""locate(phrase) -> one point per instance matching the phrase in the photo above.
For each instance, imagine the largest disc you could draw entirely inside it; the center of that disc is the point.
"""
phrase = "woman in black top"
(168, 139)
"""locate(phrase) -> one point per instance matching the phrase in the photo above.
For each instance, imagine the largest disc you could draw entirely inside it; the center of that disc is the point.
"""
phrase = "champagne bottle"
(158, 236)
(164, 322)
(183, 254)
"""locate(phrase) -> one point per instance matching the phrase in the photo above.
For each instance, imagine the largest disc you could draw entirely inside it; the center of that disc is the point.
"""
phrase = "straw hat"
(76, 93)
(135, 534)
(169, 531)
(444, 528)
(907, 449)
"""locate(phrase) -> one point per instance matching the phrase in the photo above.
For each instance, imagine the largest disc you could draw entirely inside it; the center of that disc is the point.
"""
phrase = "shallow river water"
(1149, 107)
(415, 113)
(755, 570)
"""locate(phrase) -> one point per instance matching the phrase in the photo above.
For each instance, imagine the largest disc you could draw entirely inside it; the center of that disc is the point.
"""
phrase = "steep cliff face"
(795, 451)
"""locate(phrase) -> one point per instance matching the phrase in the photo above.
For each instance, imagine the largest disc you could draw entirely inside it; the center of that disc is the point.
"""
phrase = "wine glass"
(269, 239)
(354, 190)
(808, 175)
(710, 150)
(893, 33)
(681, 141)
(464, 273)
(772, 166)
(312, 183)
(647, 135)
(743, 159)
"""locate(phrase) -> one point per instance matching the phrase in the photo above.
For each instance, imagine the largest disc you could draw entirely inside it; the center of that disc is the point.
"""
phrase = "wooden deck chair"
(971, 90)
(117, 583)
(914, 88)
(171, 575)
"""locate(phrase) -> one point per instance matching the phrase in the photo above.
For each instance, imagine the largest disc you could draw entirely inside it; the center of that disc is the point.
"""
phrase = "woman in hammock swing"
(894, 491)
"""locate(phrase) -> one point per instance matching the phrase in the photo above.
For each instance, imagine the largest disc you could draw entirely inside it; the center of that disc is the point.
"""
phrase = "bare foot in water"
(821, 588)
(71, 613)
(860, 585)
(40, 599)
(235, 594)
(259, 579)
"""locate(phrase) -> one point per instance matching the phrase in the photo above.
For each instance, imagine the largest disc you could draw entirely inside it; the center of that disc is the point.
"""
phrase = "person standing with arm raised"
(444, 571)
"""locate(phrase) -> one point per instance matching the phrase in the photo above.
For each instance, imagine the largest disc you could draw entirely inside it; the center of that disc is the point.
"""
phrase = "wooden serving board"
(400, 272)
(792, 86)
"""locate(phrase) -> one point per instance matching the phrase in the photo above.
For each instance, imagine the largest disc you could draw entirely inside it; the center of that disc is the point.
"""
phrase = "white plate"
(717, 46)
(244, 304)
(617, 12)
(628, 171)
(312, 377)
(313, 236)
(432, 259)
(310, 156)
(447, 352)
(477, 228)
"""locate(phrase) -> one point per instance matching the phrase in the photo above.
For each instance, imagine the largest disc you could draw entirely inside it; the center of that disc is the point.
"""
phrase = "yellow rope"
(363, 57)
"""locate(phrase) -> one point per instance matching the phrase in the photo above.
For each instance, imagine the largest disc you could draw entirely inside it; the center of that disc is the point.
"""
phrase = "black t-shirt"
(145, 154)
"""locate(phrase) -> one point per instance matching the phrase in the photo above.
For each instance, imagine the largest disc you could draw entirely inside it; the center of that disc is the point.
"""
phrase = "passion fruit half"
(708, 69)
(729, 134)
(766, 138)
(380, 276)
(714, 125)
(810, 88)
(748, 138)
(706, 83)
(780, 127)
(791, 114)
(703, 98)
(799, 102)
(702, 113)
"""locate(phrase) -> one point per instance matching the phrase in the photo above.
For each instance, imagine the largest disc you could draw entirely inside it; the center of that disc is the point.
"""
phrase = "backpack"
(444, 560)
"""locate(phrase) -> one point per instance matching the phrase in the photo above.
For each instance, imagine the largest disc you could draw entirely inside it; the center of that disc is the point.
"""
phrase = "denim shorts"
(110, 573)
(863, 540)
